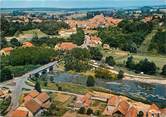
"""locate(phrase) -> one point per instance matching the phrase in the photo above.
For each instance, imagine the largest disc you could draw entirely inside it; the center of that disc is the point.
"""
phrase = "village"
(49, 45)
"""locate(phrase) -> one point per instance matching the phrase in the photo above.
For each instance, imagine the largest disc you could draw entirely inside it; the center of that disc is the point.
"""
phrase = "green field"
(35, 31)
(121, 57)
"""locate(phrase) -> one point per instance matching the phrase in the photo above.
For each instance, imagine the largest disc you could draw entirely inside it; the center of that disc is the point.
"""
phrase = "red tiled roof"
(132, 112)
(46, 104)
(19, 113)
(27, 98)
(27, 44)
(123, 107)
(113, 101)
(8, 49)
(33, 93)
(32, 105)
(42, 97)
(67, 46)
(154, 107)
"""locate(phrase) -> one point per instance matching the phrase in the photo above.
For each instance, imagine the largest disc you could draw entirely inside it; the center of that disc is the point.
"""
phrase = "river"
(136, 90)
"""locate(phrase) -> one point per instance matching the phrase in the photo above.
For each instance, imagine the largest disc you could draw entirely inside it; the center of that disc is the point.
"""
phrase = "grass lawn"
(35, 31)
(20, 70)
(121, 57)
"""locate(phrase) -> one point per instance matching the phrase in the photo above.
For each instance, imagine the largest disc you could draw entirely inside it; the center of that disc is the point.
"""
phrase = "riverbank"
(146, 80)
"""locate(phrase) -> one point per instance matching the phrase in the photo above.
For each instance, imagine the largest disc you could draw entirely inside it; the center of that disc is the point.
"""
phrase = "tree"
(81, 110)
(15, 42)
(95, 53)
(37, 86)
(89, 111)
(146, 66)
(164, 70)
(5, 74)
(3, 43)
(78, 38)
(110, 61)
(90, 81)
(120, 74)
(140, 114)
(130, 63)
(31, 55)
(158, 42)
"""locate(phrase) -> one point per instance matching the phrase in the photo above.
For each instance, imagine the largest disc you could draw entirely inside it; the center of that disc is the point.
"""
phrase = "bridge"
(42, 70)
(20, 83)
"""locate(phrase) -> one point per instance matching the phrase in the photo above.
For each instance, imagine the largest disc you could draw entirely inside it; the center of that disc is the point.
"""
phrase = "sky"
(78, 3)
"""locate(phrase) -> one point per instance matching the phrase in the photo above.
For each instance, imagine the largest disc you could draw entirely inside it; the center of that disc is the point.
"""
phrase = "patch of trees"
(51, 42)
(128, 35)
(9, 28)
(78, 38)
(5, 74)
(110, 61)
(52, 27)
(95, 53)
(14, 42)
(164, 70)
(90, 81)
(77, 60)
(31, 55)
(3, 43)
(144, 66)
(158, 43)
(104, 74)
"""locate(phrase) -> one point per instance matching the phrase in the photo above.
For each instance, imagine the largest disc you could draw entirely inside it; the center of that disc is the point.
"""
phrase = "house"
(122, 109)
(153, 111)
(19, 113)
(27, 44)
(83, 101)
(106, 47)
(67, 33)
(132, 112)
(112, 104)
(92, 41)
(6, 51)
(65, 46)
(33, 106)
(33, 103)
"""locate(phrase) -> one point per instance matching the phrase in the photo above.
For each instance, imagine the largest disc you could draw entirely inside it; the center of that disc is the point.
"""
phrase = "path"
(145, 44)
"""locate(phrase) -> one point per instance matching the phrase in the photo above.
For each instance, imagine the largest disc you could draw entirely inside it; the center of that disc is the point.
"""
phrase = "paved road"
(20, 84)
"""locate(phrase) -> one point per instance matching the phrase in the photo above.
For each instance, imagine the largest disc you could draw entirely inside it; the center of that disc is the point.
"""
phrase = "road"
(143, 79)
(20, 84)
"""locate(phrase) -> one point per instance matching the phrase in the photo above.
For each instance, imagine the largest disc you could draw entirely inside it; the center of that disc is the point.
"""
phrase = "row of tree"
(158, 43)
(128, 35)
(144, 66)
(50, 27)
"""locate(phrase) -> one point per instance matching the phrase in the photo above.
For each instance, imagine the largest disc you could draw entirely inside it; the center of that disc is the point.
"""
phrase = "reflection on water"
(149, 92)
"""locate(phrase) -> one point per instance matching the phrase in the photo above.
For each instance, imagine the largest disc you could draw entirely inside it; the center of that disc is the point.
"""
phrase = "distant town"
(83, 62)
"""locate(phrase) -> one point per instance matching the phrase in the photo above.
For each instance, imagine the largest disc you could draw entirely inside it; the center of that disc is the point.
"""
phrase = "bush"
(5, 74)
(89, 111)
(110, 61)
(95, 53)
(90, 81)
(82, 110)
(104, 74)
(164, 70)
(146, 66)
(120, 75)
